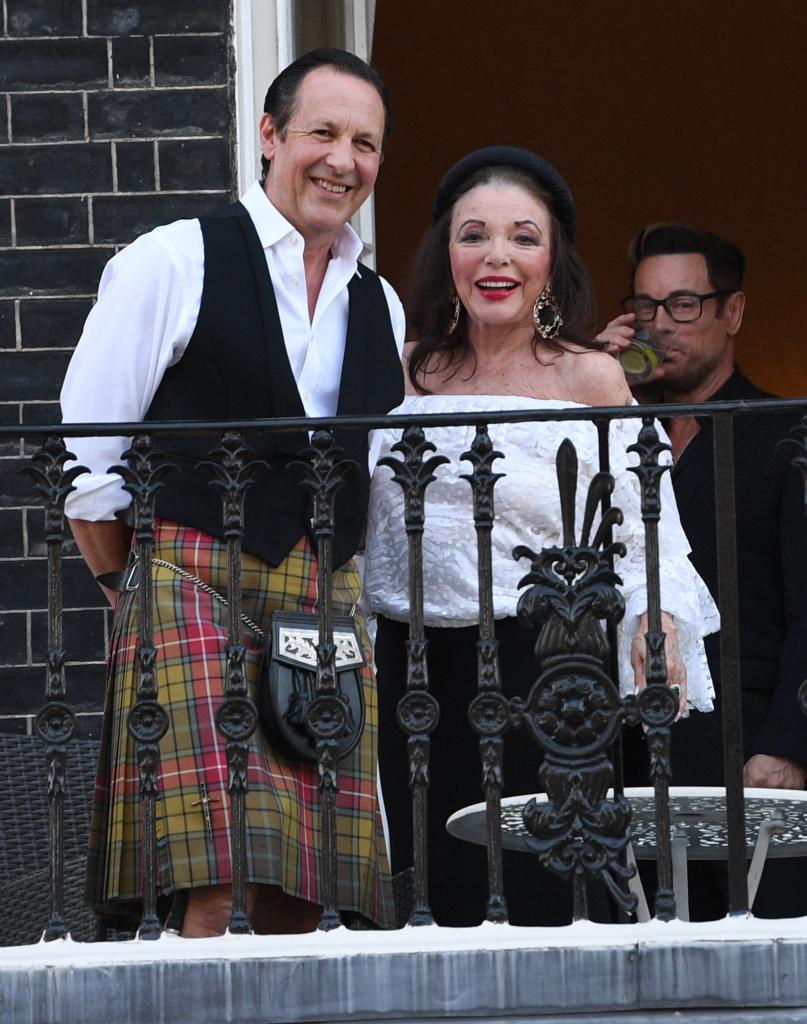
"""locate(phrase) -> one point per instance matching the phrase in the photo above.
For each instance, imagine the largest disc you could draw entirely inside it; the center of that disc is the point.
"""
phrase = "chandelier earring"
(455, 314)
(546, 314)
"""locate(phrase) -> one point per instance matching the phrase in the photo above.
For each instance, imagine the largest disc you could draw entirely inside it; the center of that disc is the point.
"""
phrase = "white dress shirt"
(148, 304)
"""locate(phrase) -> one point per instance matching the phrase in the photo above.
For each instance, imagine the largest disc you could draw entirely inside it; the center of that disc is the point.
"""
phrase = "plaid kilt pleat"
(283, 824)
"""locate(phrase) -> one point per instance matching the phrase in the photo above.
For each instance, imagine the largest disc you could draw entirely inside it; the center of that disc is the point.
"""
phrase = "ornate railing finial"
(574, 710)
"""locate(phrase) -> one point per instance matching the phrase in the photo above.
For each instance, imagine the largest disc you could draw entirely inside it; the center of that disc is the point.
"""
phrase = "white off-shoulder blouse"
(527, 511)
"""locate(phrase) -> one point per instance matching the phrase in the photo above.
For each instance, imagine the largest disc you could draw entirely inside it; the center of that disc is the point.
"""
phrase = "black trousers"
(457, 870)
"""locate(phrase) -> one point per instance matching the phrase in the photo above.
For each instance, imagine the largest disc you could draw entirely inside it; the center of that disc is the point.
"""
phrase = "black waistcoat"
(236, 367)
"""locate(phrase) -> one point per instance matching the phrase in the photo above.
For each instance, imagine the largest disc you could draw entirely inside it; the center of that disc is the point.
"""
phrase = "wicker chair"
(24, 868)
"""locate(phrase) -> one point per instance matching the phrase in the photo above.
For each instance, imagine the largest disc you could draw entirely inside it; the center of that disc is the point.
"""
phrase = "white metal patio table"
(775, 826)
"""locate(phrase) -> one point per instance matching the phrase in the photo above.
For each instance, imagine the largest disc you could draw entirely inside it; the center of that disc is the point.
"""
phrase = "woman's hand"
(618, 334)
(676, 670)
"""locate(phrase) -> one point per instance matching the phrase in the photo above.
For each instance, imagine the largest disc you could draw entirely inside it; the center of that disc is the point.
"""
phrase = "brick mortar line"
(64, 295)
(8, 119)
(115, 195)
(120, 138)
(41, 610)
(114, 151)
(5, 716)
(152, 70)
(12, 213)
(85, 109)
(17, 327)
(79, 247)
(43, 664)
(84, 17)
(110, 79)
(35, 558)
(31, 715)
(25, 538)
(67, 610)
(112, 35)
(117, 90)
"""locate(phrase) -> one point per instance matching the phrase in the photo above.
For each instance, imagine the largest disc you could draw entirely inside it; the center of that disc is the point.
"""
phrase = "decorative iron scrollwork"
(573, 709)
(237, 719)
(579, 829)
(413, 474)
(232, 468)
(488, 713)
(322, 473)
(657, 706)
(53, 483)
(328, 718)
(148, 722)
(654, 705)
(143, 473)
(417, 712)
(55, 722)
(482, 479)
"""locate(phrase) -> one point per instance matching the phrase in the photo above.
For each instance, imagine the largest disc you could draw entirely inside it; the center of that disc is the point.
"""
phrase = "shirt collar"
(272, 226)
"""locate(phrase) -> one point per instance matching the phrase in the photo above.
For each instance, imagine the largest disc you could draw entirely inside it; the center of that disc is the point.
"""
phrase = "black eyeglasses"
(683, 307)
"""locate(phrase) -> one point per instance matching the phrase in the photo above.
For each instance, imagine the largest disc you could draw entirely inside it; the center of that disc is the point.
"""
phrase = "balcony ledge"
(739, 969)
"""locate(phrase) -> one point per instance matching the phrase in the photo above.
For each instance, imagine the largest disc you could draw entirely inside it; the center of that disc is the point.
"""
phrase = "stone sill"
(740, 969)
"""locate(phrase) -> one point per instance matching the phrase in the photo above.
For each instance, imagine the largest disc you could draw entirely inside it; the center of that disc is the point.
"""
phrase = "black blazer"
(772, 586)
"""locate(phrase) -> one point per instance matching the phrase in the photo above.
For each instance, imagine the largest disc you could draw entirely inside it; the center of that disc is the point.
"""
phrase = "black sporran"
(287, 683)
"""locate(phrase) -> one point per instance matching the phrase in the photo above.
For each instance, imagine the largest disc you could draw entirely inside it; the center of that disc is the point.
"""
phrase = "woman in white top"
(501, 310)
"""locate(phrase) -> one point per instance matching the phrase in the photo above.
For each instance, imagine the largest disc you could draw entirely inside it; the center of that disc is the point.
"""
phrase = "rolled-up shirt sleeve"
(148, 302)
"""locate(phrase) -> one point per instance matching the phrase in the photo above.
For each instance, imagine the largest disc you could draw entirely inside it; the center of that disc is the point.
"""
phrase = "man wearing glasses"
(686, 293)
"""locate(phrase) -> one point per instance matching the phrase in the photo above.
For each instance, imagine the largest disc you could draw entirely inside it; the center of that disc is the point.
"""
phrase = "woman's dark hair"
(281, 97)
(431, 289)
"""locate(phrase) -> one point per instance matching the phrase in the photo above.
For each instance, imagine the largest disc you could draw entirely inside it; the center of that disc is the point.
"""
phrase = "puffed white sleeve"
(683, 593)
(148, 303)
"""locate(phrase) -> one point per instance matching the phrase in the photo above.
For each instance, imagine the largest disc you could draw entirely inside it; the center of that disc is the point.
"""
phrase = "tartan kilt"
(283, 823)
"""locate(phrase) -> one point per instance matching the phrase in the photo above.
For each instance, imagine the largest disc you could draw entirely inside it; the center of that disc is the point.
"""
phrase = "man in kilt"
(259, 311)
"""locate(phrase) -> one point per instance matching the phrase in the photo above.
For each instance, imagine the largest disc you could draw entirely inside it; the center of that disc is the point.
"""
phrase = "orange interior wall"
(686, 111)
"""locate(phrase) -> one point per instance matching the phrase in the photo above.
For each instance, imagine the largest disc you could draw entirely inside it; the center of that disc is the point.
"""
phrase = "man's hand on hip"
(769, 772)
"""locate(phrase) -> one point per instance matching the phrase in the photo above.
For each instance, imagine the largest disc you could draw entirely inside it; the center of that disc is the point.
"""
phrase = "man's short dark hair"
(725, 262)
(281, 97)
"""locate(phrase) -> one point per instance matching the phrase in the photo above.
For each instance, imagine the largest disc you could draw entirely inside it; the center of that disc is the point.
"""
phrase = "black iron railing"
(572, 602)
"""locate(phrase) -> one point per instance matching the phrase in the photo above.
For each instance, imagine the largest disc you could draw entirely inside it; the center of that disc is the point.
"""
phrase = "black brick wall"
(115, 116)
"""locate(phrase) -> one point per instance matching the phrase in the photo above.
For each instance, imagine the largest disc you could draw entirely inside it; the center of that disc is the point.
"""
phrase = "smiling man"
(259, 311)
(686, 289)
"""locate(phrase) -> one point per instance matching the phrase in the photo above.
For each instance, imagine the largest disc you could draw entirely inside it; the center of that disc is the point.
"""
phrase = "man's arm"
(146, 311)
(104, 546)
